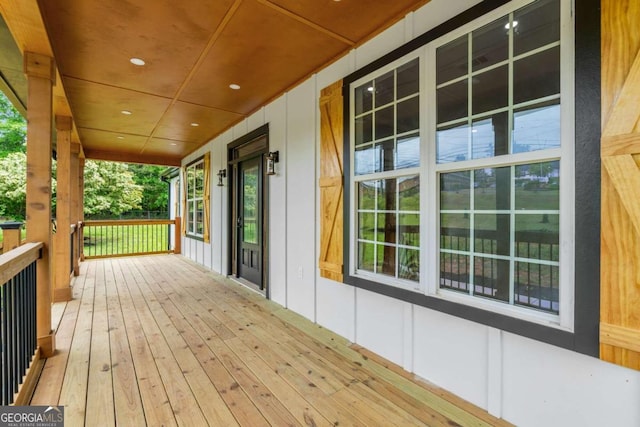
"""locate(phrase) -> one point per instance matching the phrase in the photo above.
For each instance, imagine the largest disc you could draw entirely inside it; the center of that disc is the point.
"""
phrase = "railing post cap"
(11, 225)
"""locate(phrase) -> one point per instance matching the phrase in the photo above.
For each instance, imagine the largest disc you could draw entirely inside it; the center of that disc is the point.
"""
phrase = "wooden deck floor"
(160, 341)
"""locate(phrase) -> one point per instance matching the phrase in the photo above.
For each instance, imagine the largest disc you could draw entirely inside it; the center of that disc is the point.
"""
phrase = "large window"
(491, 224)
(386, 147)
(197, 198)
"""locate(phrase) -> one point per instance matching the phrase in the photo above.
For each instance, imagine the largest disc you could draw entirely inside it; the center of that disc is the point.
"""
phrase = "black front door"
(249, 221)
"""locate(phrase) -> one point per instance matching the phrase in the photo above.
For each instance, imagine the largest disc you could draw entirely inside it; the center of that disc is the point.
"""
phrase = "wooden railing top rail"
(88, 223)
(17, 259)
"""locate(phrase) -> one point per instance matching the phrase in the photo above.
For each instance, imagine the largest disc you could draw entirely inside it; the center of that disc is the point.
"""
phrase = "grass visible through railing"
(127, 237)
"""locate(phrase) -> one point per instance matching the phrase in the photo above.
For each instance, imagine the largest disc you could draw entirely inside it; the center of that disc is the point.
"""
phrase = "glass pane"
(538, 186)
(385, 157)
(408, 79)
(491, 278)
(452, 143)
(454, 271)
(490, 44)
(452, 102)
(363, 159)
(364, 129)
(367, 195)
(387, 227)
(492, 189)
(408, 115)
(409, 193)
(366, 256)
(364, 98)
(384, 123)
(490, 90)
(408, 152)
(492, 234)
(455, 232)
(366, 226)
(387, 195)
(452, 60)
(454, 190)
(538, 236)
(409, 229)
(537, 286)
(250, 205)
(384, 89)
(536, 128)
(537, 25)
(490, 136)
(386, 260)
(409, 264)
(536, 76)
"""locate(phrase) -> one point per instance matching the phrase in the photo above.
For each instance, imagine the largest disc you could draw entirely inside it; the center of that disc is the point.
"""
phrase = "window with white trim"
(497, 196)
(386, 174)
(195, 199)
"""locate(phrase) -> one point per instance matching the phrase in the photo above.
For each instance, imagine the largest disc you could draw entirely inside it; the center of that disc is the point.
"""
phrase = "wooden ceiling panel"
(167, 147)
(354, 20)
(194, 123)
(194, 49)
(100, 140)
(94, 40)
(97, 106)
(263, 51)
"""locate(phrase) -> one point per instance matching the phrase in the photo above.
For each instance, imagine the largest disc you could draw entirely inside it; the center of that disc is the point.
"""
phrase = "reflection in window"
(500, 235)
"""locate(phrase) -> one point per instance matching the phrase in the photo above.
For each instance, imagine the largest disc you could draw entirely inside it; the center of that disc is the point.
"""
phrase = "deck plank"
(126, 393)
(100, 405)
(161, 341)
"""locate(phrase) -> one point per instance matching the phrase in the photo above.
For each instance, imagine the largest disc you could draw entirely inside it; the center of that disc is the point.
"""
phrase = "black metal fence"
(536, 283)
(18, 333)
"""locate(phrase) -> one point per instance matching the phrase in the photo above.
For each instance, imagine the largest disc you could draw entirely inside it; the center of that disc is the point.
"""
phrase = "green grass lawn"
(105, 240)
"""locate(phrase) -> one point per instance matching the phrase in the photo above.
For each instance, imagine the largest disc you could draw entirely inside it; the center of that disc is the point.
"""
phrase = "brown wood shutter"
(620, 235)
(331, 186)
(207, 196)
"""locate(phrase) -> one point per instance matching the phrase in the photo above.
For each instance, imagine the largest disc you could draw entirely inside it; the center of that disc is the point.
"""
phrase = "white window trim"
(565, 319)
(192, 200)
(429, 169)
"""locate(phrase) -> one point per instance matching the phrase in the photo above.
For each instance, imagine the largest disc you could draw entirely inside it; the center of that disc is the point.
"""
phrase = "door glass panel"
(250, 205)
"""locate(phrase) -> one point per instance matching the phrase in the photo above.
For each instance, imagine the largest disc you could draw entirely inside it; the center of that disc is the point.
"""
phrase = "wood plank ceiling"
(193, 51)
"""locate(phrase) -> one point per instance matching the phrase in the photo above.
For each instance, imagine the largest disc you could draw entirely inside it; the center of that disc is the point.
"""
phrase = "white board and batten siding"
(526, 382)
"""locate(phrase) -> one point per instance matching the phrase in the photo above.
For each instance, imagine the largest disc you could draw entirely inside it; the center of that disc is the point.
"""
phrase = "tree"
(155, 195)
(13, 129)
(109, 188)
(13, 186)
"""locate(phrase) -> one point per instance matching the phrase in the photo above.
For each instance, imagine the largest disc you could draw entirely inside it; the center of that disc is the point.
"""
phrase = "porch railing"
(18, 333)
(104, 239)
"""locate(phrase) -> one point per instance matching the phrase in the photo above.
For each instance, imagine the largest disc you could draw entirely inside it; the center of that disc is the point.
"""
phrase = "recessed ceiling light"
(120, 137)
(137, 61)
(173, 143)
(508, 25)
(234, 86)
(126, 112)
(194, 124)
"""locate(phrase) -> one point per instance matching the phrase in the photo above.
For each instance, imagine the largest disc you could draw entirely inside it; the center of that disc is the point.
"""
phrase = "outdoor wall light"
(272, 158)
(222, 173)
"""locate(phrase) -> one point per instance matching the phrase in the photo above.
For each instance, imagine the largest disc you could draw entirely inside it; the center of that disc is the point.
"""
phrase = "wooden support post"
(177, 236)
(62, 248)
(40, 71)
(74, 206)
(11, 235)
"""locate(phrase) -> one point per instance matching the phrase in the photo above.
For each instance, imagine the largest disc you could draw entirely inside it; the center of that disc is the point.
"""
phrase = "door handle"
(239, 222)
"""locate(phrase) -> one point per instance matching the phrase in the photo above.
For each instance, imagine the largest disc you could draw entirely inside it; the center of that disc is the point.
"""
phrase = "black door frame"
(250, 146)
